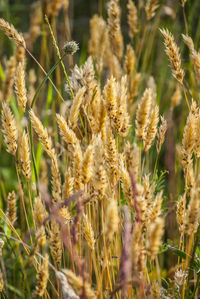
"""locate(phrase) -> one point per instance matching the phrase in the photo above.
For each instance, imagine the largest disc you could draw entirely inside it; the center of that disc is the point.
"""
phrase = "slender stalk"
(60, 96)
(141, 44)
(58, 73)
(59, 56)
(14, 230)
(155, 167)
(45, 79)
(143, 163)
(188, 251)
(193, 252)
(185, 20)
(23, 203)
(186, 98)
(158, 270)
(30, 201)
(105, 249)
(33, 157)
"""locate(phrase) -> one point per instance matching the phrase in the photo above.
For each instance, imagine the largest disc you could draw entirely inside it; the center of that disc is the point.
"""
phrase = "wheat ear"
(132, 18)
(79, 284)
(42, 134)
(11, 207)
(12, 33)
(172, 51)
(20, 86)
(9, 79)
(142, 114)
(9, 129)
(114, 28)
(25, 156)
(150, 8)
(42, 277)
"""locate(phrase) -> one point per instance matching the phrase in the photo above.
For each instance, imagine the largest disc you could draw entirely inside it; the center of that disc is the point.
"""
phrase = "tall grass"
(99, 178)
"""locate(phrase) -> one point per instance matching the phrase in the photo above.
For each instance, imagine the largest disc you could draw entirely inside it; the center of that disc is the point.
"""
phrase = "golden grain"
(154, 235)
(12, 207)
(25, 156)
(9, 129)
(142, 114)
(42, 277)
(111, 220)
(20, 86)
(114, 28)
(132, 18)
(42, 134)
(172, 51)
(150, 8)
(9, 79)
(78, 283)
(88, 232)
(12, 33)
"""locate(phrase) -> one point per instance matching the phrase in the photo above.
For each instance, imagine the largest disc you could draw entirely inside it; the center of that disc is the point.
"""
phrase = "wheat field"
(99, 150)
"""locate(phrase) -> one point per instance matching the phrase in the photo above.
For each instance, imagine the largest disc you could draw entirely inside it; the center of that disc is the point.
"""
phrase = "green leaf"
(2, 74)
(45, 79)
(160, 181)
(15, 290)
(196, 263)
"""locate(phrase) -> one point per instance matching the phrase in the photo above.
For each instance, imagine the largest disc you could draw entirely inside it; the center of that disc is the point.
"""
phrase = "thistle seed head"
(71, 48)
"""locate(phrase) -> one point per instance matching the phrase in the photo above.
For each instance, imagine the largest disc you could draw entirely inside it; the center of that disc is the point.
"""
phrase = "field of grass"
(99, 149)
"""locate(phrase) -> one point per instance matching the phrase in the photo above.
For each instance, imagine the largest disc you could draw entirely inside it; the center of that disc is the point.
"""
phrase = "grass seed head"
(9, 129)
(88, 232)
(71, 48)
(42, 277)
(12, 33)
(150, 8)
(40, 212)
(142, 114)
(42, 134)
(79, 284)
(25, 156)
(9, 79)
(151, 129)
(172, 51)
(132, 18)
(11, 207)
(161, 134)
(20, 86)
(55, 244)
(114, 28)
(111, 220)
(154, 236)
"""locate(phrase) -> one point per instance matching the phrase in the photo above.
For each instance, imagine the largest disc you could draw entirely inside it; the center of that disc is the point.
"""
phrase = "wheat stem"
(186, 98)
(60, 96)
(23, 203)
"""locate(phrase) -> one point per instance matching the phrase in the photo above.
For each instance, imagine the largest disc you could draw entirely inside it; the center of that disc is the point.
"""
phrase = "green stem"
(143, 162)
(45, 79)
(141, 44)
(155, 165)
(82, 123)
(59, 56)
(193, 253)
(46, 72)
(185, 20)
(23, 201)
(33, 157)
(186, 98)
